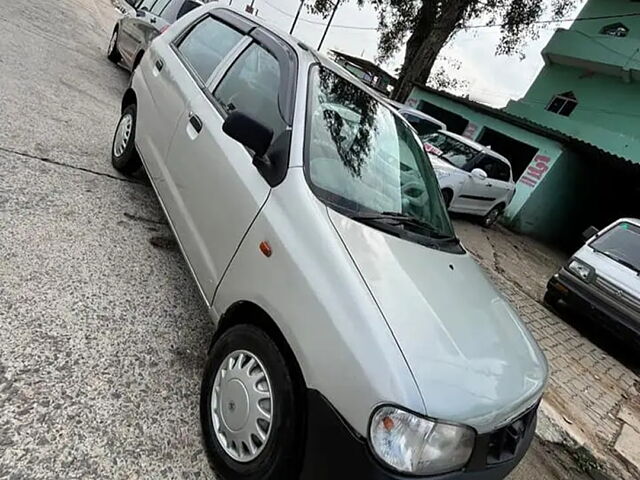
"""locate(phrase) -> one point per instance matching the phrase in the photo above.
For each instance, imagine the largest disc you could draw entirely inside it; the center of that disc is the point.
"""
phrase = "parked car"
(602, 279)
(473, 178)
(342, 348)
(420, 121)
(142, 21)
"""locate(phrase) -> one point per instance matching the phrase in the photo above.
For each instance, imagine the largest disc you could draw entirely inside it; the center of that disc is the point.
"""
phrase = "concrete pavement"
(102, 333)
(592, 403)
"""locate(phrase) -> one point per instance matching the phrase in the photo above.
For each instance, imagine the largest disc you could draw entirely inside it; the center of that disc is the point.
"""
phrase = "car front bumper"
(335, 452)
(586, 299)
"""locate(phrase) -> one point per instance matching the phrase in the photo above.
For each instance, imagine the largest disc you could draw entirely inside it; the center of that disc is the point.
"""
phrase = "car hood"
(473, 360)
(612, 271)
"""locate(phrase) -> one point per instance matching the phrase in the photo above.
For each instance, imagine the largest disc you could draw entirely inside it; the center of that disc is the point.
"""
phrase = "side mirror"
(479, 174)
(589, 232)
(249, 132)
(187, 6)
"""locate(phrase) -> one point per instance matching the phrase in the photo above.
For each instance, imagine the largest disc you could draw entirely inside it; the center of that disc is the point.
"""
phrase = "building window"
(615, 30)
(563, 104)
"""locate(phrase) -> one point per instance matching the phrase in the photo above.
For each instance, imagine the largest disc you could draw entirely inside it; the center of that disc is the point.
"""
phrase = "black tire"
(550, 299)
(113, 54)
(127, 160)
(492, 217)
(448, 197)
(280, 458)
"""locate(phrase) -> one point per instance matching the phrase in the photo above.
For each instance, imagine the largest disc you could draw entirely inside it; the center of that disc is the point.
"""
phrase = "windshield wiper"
(622, 261)
(403, 218)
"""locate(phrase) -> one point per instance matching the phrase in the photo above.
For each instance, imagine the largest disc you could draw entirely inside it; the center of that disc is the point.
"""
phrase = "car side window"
(503, 172)
(145, 5)
(158, 7)
(489, 165)
(251, 86)
(207, 44)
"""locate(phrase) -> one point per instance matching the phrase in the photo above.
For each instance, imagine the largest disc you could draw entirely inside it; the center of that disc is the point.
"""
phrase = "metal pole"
(295, 20)
(326, 30)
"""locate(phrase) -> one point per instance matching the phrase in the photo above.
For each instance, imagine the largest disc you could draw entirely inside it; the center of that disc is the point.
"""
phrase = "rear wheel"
(492, 217)
(112, 51)
(249, 410)
(124, 156)
(448, 197)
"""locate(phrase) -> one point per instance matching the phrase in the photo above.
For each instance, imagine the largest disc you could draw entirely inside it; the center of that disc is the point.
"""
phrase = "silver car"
(355, 338)
(141, 22)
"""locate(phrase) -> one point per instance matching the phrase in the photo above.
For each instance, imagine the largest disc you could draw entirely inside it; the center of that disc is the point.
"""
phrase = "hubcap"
(242, 406)
(492, 217)
(123, 133)
(112, 43)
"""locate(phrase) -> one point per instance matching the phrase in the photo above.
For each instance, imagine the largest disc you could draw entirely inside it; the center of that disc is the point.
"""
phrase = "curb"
(555, 429)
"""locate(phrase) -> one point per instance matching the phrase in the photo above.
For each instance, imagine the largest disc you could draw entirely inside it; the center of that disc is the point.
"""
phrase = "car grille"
(503, 444)
(617, 294)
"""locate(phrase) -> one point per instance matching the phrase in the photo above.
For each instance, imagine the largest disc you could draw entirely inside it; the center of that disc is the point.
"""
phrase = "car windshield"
(448, 148)
(363, 159)
(622, 244)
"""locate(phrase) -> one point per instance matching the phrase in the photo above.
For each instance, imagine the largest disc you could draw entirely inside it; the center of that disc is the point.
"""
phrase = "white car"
(473, 178)
(602, 279)
(420, 121)
(343, 349)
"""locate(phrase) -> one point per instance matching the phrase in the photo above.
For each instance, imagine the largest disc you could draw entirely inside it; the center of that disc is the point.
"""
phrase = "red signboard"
(470, 131)
(535, 171)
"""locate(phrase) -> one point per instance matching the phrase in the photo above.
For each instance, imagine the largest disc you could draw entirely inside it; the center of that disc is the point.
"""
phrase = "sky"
(492, 79)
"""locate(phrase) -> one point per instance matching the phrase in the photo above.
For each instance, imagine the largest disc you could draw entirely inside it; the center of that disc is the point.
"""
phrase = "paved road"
(102, 334)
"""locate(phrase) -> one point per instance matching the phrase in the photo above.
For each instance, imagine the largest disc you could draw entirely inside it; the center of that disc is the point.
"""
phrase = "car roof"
(407, 109)
(306, 55)
(476, 146)
(634, 221)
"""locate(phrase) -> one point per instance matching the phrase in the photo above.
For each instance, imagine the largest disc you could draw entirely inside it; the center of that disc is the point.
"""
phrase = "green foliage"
(400, 19)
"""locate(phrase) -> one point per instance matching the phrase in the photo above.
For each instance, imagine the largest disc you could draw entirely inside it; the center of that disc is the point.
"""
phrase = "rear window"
(207, 44)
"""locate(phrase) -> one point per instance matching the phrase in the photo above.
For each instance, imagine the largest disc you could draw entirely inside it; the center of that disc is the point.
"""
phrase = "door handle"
(195, 122)
(159, 64)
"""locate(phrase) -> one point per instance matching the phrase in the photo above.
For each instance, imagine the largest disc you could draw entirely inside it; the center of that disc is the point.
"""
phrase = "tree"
(425, 26)
(444, 79)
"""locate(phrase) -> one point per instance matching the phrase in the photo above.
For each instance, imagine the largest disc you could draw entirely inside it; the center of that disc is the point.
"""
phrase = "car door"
(129, 36)
(478, 195)
(173, 74)
(502, 183)
(217, 189)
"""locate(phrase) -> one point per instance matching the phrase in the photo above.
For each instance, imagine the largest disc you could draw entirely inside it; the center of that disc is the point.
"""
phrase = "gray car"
(356, 338)
(142, 21)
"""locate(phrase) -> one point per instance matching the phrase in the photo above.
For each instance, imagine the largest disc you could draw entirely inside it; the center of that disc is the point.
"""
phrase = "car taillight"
(164, 29)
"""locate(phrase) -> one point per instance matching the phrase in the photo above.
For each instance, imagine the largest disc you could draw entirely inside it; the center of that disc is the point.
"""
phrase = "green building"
(574, 138)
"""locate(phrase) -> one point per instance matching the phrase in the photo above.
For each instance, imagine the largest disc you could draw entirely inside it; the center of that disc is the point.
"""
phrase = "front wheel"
(447, 195)
(550, 299)
(249, 410)
(492, 217)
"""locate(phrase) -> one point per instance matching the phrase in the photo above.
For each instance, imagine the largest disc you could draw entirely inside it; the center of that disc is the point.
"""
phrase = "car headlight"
(417, 445)
(582, 270)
